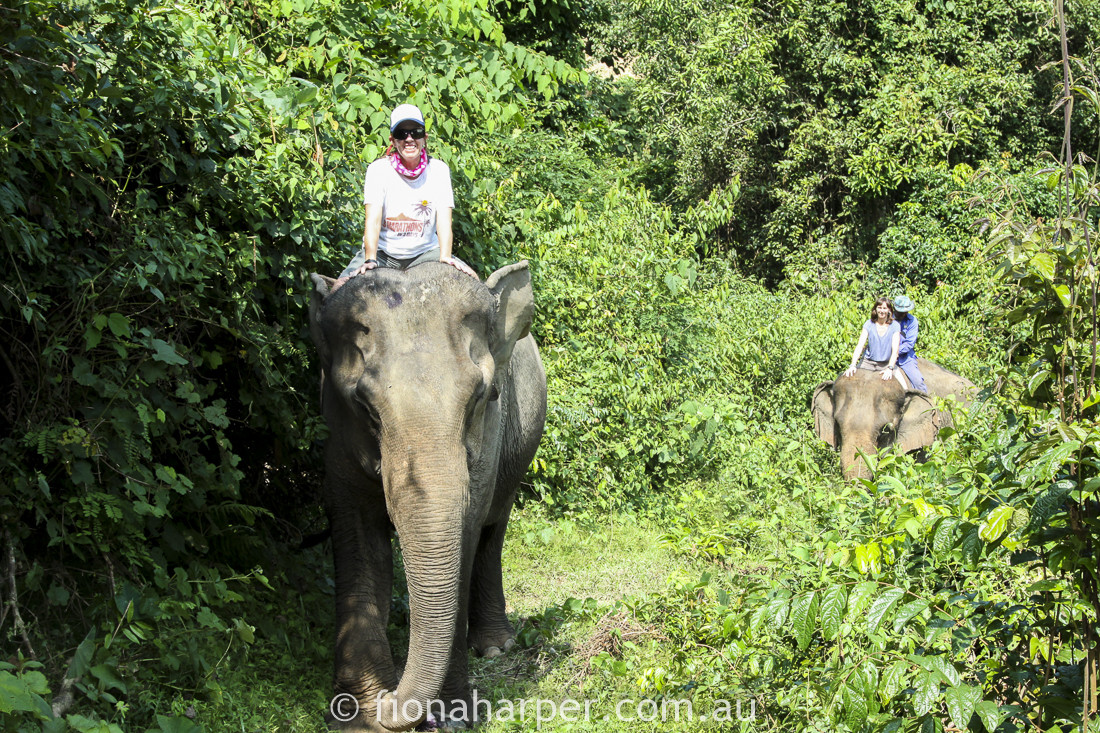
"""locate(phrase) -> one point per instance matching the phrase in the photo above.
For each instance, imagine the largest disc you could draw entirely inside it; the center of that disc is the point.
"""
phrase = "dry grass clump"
(611, 633)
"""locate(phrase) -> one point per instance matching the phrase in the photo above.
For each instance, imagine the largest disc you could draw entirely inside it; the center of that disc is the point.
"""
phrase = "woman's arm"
(444, 231)
(858, 353)
(895, 344)
(372, 228)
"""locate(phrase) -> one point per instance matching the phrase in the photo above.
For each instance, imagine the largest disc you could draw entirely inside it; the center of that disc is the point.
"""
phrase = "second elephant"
(865, 413)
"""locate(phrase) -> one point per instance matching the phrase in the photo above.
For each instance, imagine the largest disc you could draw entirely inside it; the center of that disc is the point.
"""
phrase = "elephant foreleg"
(364, 582)
(490, 632)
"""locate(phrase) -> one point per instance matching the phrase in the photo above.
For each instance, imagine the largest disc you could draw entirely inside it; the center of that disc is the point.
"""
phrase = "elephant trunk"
(854, 465)
(429, 501)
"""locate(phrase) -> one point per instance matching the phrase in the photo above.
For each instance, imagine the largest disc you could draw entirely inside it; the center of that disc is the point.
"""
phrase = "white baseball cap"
(404, 113)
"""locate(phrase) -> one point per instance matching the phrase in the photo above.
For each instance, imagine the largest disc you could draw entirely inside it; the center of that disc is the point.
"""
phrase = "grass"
(571, 587)
(581, 650)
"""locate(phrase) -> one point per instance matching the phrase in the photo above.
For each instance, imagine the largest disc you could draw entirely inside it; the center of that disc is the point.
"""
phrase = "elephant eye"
(361, 337)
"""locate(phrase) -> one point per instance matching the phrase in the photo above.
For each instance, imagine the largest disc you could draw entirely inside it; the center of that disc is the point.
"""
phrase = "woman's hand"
(460, 266)
(850, 371)
(887, 374)
(368, 265)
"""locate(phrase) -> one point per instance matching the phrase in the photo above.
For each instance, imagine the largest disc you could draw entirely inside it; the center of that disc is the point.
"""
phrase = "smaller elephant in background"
(865, 413)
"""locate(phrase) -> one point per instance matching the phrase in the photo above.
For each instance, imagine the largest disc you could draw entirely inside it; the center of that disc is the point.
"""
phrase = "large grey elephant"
(865, 413)
(435, 398)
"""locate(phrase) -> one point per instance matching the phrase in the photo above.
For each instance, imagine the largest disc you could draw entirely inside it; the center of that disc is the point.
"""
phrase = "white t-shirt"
(409, 208)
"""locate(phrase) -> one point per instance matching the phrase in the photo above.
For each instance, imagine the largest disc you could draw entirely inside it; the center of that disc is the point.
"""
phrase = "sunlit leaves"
(961, 701)
(996, 523)
(927, 688)
(882, 605)
(833, 602)
(804, 617)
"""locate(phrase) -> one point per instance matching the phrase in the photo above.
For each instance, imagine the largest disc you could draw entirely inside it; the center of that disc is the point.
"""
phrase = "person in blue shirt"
(907, 355)
(879, 341)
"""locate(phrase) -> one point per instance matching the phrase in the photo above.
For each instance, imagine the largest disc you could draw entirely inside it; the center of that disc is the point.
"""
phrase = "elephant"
(865, 413)
(435, 398)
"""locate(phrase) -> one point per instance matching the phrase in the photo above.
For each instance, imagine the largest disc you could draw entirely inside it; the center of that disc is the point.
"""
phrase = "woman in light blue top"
(878, 343)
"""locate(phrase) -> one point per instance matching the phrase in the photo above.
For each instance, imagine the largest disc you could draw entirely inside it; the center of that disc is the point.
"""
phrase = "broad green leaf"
(1047, 504)
(942, 665)
(866, 680)
(960, 702)
(833, 602)
(860, 597)
(855, 707)
(107, 677)
(804, 617)
(895, 680)
(1052, 461)
(943, 539)
(777, 610)
(996, 523)
(759, 618)
(165, 352)
(1043, 265)
(245, 631)
(990, 714)
(971, 544)
(82, 473)
(882, 605)
(119, 324)
(1036, 380)
(927, 692)
(869, 557)
(18, 694)
(913, 526)
(908, 611)
(82, 659)
(306, 95)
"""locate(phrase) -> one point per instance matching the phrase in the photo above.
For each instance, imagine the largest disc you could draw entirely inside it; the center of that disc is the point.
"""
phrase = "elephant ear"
(822, 406)
(511, 288)
(322, 288)
(919, 422)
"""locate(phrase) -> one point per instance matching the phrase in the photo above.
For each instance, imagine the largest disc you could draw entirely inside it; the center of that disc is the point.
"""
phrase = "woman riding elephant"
(409, 202)
(878, 345)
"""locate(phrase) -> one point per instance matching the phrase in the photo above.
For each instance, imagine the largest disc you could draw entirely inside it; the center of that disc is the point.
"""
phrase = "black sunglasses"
(417, 134)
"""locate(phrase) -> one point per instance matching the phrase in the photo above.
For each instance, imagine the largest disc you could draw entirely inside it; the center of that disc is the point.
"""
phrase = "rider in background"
(907, 356)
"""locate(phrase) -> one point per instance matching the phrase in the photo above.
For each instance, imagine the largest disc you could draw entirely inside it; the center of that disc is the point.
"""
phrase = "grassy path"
(562, 655)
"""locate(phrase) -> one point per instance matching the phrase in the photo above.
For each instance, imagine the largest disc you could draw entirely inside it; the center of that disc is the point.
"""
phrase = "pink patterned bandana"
(399, 165)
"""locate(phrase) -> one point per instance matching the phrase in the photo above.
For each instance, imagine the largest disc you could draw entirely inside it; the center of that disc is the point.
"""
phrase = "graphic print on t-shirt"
(406, 226)
(403, 226)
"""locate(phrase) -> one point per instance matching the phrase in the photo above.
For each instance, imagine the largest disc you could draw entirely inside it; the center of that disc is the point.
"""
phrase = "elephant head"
(417, 388)
(865, 413)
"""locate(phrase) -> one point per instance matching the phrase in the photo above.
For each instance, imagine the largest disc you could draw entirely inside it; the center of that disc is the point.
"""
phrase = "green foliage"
(834, 117)
(168, 177)
(169, 174)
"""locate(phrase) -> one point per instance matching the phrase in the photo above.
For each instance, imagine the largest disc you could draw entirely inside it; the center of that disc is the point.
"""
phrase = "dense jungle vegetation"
(710, 195)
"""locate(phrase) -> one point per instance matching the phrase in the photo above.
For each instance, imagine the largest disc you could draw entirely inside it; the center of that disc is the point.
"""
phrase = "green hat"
(902, 304)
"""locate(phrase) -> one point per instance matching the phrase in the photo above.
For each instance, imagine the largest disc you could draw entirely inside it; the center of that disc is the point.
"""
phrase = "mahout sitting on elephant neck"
(435, 397)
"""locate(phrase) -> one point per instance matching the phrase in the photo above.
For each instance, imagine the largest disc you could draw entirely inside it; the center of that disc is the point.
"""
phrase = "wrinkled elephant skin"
(435, 398)
(865, 413)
